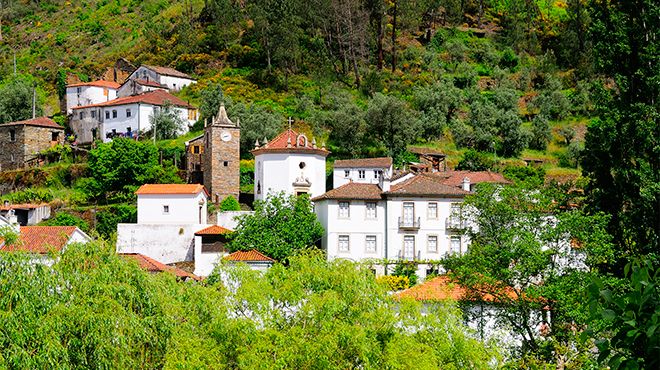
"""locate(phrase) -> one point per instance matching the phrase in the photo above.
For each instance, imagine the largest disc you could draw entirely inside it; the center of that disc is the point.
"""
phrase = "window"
(12, 135)
(78, 90)
(174, 85)
(225, 163)
(93, 114)
(343, 243)
(433, 210)
(81, 115)
(107, 114)
(455, 244)
(408, 213)
(344, 211)
(370, 243)
(114, 113)
(377, 173)
(192, 114)
(105, 91)
(54, 136)
(347, 173)
(371, 210)
(432, 243)
(195, 149)
(408, 247)
(166, 210)
(361, 174)
(128, 113)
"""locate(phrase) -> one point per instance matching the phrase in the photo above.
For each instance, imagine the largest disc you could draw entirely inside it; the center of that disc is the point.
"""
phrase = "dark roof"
(424, 185)
(382, 162)
(353, 191)
(290, 141)
(39, 121)
(167, 71)
(98, 83)
(426, 151)
(156, 97)
(248, 256)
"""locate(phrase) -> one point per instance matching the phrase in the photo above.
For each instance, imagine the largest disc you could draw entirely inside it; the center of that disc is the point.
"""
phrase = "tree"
(541, 134)
(257, 123)
(212, 97)
(439, 104)
(520, 253)
(346, 122)
(392, 122)
(166, 123)
(475, 161)
(552, 102)
(67, 219)
(280, 226)
(16, 96)
(230, 204)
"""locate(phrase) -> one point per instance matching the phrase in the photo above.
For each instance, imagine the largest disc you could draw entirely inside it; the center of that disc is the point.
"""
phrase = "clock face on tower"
(225, 135)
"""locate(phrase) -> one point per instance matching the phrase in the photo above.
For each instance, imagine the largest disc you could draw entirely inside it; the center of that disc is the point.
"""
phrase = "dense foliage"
(94, 309)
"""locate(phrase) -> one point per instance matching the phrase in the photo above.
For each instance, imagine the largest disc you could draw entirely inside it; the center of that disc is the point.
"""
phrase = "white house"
(364, 170)
(209, 248)
(126, 116)
(171, 204)
(253, 258)
(167, 77)
(40, 241)
(289, 163)
(413, 218)
(88, 93)
(27, 213)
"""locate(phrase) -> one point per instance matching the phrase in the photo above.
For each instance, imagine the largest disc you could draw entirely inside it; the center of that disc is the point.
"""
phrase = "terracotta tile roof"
(443, 288)
(213, 230)
(248, 256)
(42, 239)
(153, 266)
(167, 71)
(39, 121)
(353, 191)
(399, 174)
(455, 178)
(22, 206)
(170, 189)
(98, 83)
(156, 97)
(281, 144)
(424, 185)
(382, 162)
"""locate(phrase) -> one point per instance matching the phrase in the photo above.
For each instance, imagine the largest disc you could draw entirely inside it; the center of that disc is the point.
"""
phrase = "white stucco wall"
(88, 95)
(229, 219)
(175, 83)
(164, 243)
(205, 262)
(182, 208)
(276, 172)
(371, 175)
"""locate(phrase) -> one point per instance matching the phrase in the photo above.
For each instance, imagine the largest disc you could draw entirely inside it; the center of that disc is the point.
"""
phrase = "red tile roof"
(455, 178)
(281, 144)
(213, 230)
(443, 288)
(424, 185)
(170, 189)
(167, 71)
(353, 191)
(39, 121)
(42, 239)
(248, 256)
(156, 97)
(151, 265)
(382, 162)
(22, 206)
(98, 83)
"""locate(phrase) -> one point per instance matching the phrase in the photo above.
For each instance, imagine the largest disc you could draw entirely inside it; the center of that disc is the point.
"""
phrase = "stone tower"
(221, 158)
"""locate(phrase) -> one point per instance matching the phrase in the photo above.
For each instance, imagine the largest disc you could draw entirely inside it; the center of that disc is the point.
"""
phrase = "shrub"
(229, 204)
(407, 269)
(107, 220)
(475, 161)
(67, 219)
(29, 196)
(394, 283)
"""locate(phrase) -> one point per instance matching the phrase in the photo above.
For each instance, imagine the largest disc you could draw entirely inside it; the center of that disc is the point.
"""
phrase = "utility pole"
(14, 63)
(34, 101)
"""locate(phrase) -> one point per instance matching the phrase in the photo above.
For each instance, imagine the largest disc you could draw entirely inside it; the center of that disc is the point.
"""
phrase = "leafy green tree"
(257, 123)
(280, 226)
(629, 337)
(541, 133)
(483, 120)
(439, 104)
(16, 95)
(212, 97)
(392, 122)
(166, 123)
(514, 138)
(475, 161)
(346, 122)
(552, 102)
(67, 219)
(229, 204)
(520, 253)
(122, 164)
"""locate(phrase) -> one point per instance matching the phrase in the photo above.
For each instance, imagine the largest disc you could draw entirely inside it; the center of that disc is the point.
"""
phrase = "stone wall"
(221, 162)
(11, 152)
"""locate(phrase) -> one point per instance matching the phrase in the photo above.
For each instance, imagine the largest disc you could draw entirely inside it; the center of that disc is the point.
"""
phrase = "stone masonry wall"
(221, 163)
(30, 140)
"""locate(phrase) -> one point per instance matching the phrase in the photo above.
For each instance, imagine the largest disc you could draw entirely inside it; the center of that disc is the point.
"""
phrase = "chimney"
(466, 184)
(384, 183)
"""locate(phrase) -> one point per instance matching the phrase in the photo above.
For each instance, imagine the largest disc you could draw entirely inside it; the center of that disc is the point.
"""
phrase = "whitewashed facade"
(167, 204)
(88, 93)
(172, 79)
(289, 163)
(364, 171)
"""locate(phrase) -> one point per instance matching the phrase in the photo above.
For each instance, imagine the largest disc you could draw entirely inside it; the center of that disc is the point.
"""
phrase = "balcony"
(409, 224)
(453, 222)
(415, 256)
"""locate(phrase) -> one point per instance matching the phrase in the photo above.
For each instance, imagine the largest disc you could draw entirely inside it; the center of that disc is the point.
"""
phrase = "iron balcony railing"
(409, 224)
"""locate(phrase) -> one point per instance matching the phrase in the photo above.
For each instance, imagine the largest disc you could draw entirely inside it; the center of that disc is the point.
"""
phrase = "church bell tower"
(221, 164)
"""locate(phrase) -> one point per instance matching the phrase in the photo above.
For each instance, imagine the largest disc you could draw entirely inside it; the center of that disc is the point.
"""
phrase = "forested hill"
(505, 78)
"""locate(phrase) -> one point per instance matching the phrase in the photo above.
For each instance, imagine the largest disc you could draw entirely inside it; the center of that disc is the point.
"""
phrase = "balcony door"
(409, 247)
(408, 213)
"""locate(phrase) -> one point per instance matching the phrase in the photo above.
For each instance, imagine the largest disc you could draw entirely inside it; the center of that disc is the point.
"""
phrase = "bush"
(536, 175)
(67, 219)
(475, 161)
(229, 204)
(407, 269)
(29, 196)
(394, 283)
(107, 220)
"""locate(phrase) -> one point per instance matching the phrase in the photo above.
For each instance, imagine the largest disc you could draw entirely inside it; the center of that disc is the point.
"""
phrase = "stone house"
(21, 141)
